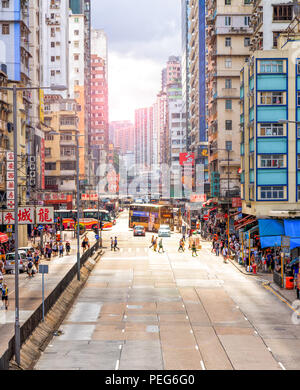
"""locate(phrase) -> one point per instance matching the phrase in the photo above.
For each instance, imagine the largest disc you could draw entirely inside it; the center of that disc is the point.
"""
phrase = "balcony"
(67, 158)
(51, 187)
(71, 172)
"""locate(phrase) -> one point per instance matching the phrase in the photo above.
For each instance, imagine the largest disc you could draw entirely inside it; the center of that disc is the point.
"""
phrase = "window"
(271, 130)
(247, 1)
(227, 2)
(76, 43)
(227, 20)
(52, 44)
(269, 98)
(298, 197)
(76, 32)
(272, 161)
(247, 41)
(298, 98)
(271, 66)
(67, 121)
(50, 181)
(49, 137)
(68, 166)
(52, 59)
(76, 20)
(246, 20)
(228, 145)
(228, 83)
(298, 161)
(67, 151)
(272, 192)
(228, 42)
(275, 37)
(5, 29)
(228, 104)
(282, 12)
(228, 124)
(76, 57)
(50, 166)
(52, 73)
(228, 63)
(47, 152)
(298, 66)
(5, 3)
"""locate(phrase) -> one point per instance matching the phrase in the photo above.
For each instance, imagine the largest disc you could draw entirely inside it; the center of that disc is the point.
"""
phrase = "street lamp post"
(15, 90)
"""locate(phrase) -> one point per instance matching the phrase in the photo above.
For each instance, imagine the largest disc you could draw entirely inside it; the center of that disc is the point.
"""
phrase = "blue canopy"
(292, 227)
(270, 241)
(270, 227)
(294, 243)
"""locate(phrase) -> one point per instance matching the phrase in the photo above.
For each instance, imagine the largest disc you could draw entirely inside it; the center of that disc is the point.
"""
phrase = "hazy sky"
(141, 34)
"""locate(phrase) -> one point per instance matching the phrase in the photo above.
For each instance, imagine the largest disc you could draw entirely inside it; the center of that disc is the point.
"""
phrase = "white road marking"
(282, 366)
(120, 346)
(202, 365)
(255, 332)
(196, 346)
(269, 349)
(191, 331)
(117, 365)
(186, 317)
(123, 330)
(246, 318)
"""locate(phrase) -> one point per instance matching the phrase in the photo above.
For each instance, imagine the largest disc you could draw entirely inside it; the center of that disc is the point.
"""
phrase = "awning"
(253, 229)
(270, 241)
(242, 220)
(294, 242)
(209, 211)
(292, 227)
(270, 227)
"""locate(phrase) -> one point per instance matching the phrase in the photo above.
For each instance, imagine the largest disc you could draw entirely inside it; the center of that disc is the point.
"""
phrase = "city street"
(144, 310)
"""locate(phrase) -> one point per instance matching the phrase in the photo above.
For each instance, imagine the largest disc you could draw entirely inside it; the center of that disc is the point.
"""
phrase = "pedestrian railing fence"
(277, 278)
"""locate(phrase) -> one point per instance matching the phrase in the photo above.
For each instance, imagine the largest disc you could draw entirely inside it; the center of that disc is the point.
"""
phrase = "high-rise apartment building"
(123, 135)
(99, 46)
(185, 64)
(143, 137)
(228, 44)
(55, 43)
(14, 39)
(268, 20)
(99, 104)
(61, 115)
(270, 131)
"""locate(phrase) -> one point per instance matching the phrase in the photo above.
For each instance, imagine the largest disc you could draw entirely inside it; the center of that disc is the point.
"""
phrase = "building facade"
(55, 43)
(270, 143)
(123, 135)
(61, 116)
(143, 133)
(228, 44)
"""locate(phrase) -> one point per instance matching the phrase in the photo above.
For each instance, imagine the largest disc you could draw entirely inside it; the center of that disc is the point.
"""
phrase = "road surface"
(144, 310)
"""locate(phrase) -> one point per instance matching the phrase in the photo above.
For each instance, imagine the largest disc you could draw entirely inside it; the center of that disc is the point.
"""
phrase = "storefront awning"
(270, 227)
(292, 227)
(245, 223)
(253, 229)
(294, 242)
(270, 241)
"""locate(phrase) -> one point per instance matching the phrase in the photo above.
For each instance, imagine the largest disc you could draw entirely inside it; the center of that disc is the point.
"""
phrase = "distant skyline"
(141, 34)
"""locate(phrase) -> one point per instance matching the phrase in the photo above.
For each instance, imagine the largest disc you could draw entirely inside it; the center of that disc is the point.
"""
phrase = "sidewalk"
(289, 295)
(30, 291)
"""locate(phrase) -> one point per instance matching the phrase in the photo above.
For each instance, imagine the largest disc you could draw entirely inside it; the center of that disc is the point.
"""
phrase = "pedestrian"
(116, 244)
(5, 296)
(298, 285)
(183, 236)
(160, 246)
(49, 252)
(30, 268)
(194, 249)
(152, 242)
(61, 249)
(68, 247)
(224, 253)
(155, 244)
(181, 249)
(111, 243)
(36, 260)
(54, 248)
(83, 244)
(217, 249)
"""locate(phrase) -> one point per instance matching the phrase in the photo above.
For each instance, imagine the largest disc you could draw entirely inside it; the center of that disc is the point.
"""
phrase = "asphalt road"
(145, 310)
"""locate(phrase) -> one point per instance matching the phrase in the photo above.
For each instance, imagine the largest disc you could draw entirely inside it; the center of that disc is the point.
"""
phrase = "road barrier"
(33, 321)
(277, 278)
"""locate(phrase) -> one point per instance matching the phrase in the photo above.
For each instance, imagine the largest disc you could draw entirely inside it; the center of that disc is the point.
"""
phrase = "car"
(139, 231)
(164, 231)
(9, 262)
(26, 249)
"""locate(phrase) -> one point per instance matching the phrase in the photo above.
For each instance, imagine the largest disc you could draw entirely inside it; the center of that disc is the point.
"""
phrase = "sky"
(141, 35)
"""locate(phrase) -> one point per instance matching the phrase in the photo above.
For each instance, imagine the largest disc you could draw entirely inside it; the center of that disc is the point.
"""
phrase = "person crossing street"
(181, 246)
(160, 246)
(194, 249)
(5, 295)
(116, 244)
(152, 242)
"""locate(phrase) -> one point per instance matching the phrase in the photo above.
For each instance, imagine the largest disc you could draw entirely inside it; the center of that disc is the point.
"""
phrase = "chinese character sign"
(25, 216)
(44, 215)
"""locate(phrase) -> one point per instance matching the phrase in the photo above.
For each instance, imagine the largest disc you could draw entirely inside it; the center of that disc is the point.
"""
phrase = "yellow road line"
(283, 300)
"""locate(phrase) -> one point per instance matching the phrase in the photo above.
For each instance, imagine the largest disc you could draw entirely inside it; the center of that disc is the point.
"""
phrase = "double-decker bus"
(89, 218)
(151, 216)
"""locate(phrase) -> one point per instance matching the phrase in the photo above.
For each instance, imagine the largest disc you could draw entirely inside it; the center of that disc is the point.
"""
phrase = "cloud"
(142, 34)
